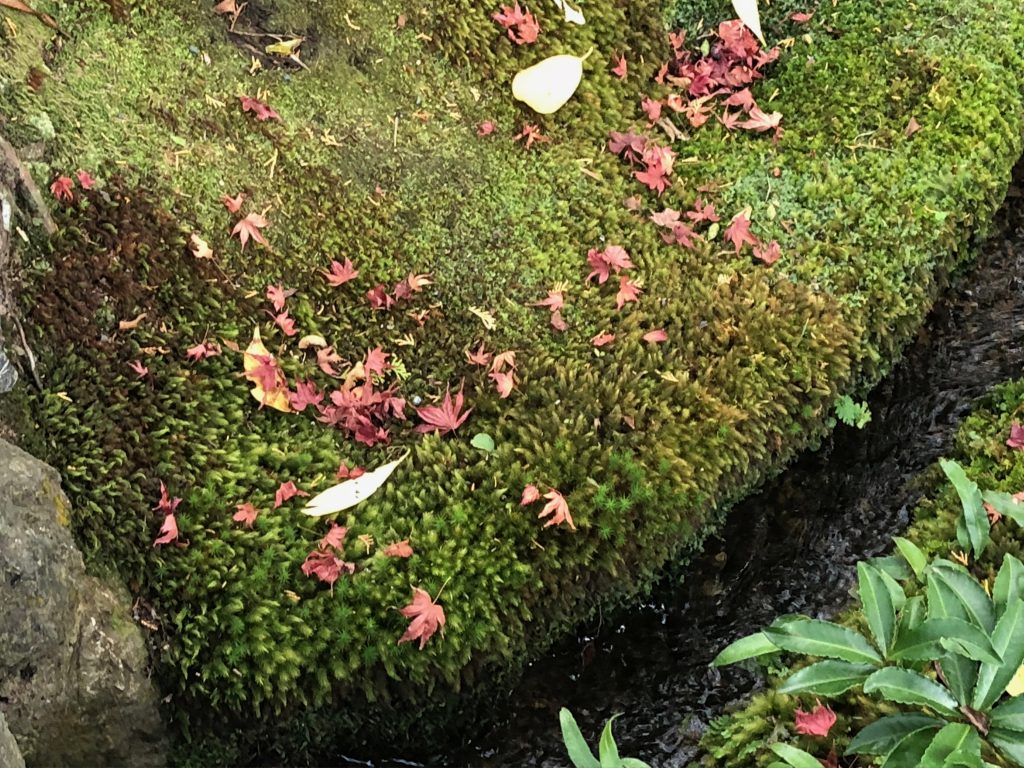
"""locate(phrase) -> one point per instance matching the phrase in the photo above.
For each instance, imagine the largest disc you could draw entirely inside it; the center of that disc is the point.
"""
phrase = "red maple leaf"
(61, 189)
(503, 359)
(743, 99)
(554, 301)
(258, 108)
(522, 26)
(558, 509)
(486, 128)
(817, 722)
(659, 162)
(340, 273)
(376, 361)
(801, 17)
(427, 617)
(335, 537)
(602, 339)
(233, 204)
(305, 394)
(379, 298)
(761, 122)
(481, 357)
(614, 258)
(250, 226)
(344, 473)
(628, 291)
(443, 418)
(412, 284)
(202, 350)
(702, 212)
(169, 531)
(326, 357)
(768, 254)
(285, 323)
(532, 134)
(326, 566)
(558, 322)
(398, 549)
(246, 514)
(1016, 438)
(652, 108)
(738, 232)
(166, 503)
(85, 179)
(287, 491)
(139, 368)
(656, 336)
(729, 119)
(530, 495)
(630, 145)
(621, 68)
(666, 218)
(277, 296)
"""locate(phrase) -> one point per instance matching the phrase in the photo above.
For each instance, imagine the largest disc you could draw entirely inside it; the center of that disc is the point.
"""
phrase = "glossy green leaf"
(608, 750)
(975, 518)
(575, 744)
(1005, 505)
(967, 590)
(822, 638)
(909, 752)
(916, 559)
(1009, 583)
(1008, 641)
(961, 674)
(1009, 743)
(934, 637)
(794, 757)
(882, 736)
(953, 738)
(896, 593)
(632, 762)
(483, 442)
(827, 678)
(908, 687)
(876, 602)
(747, 647)
(1009, 715)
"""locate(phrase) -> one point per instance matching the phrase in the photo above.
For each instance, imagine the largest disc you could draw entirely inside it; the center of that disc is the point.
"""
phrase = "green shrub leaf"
(608, 750)
(916, 559)
(1008, 641)
(747, 647)
(905, 686)
(877, 605)
(882, 736)
(575, 744)
(975, 517)
(1009, 743)
(821, 638)
(1009, 715)
(794, 757)
(933, 638)
(967, 590)
(1009, 583)
(827, 678)
(952, 739)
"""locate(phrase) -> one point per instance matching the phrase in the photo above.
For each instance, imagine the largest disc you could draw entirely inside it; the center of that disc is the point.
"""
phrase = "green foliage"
(649, 444)
(851, 413)
(949, 620)
(579, 752)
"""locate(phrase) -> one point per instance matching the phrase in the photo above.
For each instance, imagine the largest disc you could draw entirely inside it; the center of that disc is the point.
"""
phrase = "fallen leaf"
(326, 566)
(260, 110)
(340, 273)
(444, 418)
(18, 5)
(138, 367)
(656, 337)
(131, 325)
(738, 231)
(61, 189)
(276, 295)
(490, 323)
(912, 127)
(351, 492)
(558, 509)
(398, 549)
(554, 301)
(286, 324)
(427, 617)
(628, 291)
(246, 514)
(285, 492)
(233, 204)
(344, 473)
(572, 15)
(801, 17)
(486, 128)
(85, 180)
(760, 121)
(202, 350)
(504, 382)
(1016, 438)
(652, 108)
(250, 226)
(557, 322)
(261, 369)
(522, 27)
(481, 357)
(621, 68)
(531, 133)
(768, 254)
(326, 359)
(603, 263)
(748, 12)
(306, 394)
(168, 531)
(602, 339)
(530, 495)
(817, 722)
(312, 340)
(200, 248)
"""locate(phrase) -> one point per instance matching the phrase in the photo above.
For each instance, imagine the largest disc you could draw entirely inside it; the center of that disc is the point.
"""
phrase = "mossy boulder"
(377, 157)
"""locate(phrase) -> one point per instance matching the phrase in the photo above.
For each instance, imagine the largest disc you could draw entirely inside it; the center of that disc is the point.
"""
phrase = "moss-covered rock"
(377, 158)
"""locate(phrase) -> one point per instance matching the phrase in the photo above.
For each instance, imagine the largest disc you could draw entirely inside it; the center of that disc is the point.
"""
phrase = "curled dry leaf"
(312, 340)
(200, 248)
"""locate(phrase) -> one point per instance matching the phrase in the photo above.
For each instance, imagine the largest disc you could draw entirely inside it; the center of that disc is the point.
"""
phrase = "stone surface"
(10, 755)
(73, 665)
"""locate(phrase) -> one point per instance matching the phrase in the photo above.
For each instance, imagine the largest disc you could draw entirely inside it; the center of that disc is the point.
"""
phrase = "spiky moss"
(742, 739)
(755, 357)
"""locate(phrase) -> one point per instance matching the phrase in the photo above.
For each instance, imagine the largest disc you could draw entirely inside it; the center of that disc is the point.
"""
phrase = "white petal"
(571, 14)
(749, 15)
(350, 492)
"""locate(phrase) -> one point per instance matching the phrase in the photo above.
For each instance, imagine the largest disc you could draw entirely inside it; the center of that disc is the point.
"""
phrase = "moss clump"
(741, 739)
(377, 158)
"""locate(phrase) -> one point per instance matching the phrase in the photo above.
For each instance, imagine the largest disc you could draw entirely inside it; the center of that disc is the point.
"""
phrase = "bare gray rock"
(10, 755)
(73, 665)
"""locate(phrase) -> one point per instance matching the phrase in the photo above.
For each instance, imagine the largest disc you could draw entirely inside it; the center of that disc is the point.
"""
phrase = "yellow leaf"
(277, 398)
(1016, 686)
(485, 317)
(285, 47)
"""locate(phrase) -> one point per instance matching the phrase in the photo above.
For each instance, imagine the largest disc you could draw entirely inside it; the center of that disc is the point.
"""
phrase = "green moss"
(376, 158)
(741, 739)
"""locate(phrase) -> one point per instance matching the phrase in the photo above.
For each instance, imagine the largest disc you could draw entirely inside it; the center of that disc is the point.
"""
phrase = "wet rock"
(73, 666)
(10, 756)
(8, 374)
